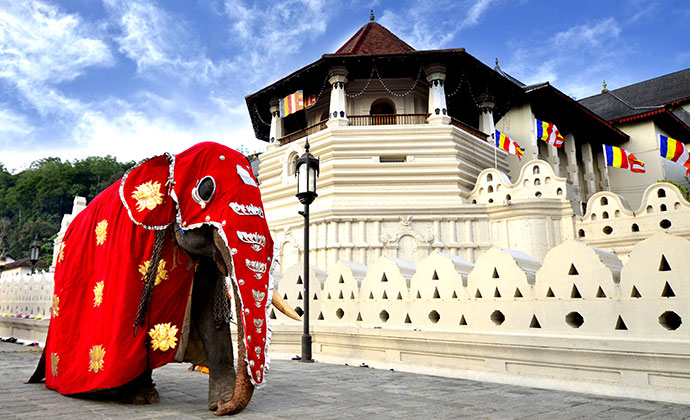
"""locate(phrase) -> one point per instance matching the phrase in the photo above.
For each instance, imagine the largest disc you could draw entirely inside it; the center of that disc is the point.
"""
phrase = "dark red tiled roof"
(374, 39)
(24, 262)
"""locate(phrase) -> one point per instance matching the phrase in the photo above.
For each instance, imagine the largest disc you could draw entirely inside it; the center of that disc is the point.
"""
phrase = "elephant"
(140, 281)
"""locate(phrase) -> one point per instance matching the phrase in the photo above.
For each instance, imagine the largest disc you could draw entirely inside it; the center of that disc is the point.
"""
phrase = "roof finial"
(604, 89)
(371, 16)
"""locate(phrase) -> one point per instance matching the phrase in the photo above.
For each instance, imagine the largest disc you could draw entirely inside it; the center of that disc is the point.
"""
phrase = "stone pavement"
(321, 392)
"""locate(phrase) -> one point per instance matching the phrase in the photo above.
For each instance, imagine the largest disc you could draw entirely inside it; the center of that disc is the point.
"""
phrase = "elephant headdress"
(105, 264)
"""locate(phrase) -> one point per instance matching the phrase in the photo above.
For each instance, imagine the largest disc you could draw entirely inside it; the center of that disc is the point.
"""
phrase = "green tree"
(32, 202)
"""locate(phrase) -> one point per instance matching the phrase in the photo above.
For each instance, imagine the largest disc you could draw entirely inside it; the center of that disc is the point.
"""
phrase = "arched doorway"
(382, 112)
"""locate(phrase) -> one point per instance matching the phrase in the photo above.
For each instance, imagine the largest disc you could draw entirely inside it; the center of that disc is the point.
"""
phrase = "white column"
(604, 183)
(338, 105)
(590, 176)
(436, 76)
(572, 168)
(486, 116)
(554, 160)
(276, 122)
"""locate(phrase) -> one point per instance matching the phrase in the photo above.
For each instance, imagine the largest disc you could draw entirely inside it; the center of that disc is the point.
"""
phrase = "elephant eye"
(203, 192)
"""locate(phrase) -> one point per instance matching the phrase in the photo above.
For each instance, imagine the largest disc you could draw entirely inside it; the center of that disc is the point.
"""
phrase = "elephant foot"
(141, 396)
(140, 391)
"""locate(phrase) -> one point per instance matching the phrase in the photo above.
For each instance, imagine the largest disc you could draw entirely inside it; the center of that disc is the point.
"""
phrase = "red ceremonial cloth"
(106, 251)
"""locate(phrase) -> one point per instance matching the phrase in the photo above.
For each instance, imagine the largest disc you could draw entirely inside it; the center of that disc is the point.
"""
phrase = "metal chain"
(457, 89)
(221, 310)
(256, 112)
(400, 95)
(323, 87)
(371, 76)
(150, 278)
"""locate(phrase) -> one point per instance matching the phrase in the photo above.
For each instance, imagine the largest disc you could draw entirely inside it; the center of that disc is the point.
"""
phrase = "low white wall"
(581, 320)
(25, 305)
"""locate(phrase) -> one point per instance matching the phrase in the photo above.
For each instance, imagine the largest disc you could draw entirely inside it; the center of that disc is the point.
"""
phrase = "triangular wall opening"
(620, 324)
(668, 291)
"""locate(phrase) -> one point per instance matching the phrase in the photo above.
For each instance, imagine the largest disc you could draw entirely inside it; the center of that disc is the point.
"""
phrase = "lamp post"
(306, 170)
(33, 253)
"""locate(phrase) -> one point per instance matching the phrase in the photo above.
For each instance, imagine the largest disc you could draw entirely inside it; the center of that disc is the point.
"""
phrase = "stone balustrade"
(578, 290)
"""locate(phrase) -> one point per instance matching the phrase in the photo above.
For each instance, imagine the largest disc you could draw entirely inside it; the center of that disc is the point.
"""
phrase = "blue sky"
(137, 78)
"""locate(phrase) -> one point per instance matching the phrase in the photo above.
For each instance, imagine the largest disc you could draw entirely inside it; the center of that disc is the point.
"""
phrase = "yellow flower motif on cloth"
(54, 359)
(148, 195)
(98, 294)
(61, 256)
(101, 232)
(56, 306)
(163, 337)
(162, 272)
(96, 354)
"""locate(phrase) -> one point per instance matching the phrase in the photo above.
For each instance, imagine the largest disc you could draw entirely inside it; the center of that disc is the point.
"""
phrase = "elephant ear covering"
(236, 211)
(144, 192)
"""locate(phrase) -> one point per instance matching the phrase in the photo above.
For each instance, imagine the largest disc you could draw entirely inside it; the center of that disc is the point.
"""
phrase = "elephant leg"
(217, 341)
(142, 390)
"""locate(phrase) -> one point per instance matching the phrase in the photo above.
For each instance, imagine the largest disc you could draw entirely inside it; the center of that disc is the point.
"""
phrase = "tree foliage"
(32, 202)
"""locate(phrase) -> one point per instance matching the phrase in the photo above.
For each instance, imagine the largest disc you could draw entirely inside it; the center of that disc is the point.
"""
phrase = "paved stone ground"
(322, 392)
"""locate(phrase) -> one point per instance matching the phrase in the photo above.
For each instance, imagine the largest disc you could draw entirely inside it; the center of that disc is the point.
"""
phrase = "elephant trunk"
(244, 388)
(243, 385)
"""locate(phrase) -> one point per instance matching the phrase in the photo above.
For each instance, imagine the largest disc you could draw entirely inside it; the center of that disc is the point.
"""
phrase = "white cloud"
(582, 52)
(269, 34)
(12, 127)
(41, 47)
(158, 42)
(424, 28)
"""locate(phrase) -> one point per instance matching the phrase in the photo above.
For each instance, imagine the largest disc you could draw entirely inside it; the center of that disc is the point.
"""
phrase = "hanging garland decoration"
(258, 116)
(378, 75)
(323, 87)
(371, 75)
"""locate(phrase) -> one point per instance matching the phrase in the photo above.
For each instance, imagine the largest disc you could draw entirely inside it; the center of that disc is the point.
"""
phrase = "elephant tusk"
(283, 307)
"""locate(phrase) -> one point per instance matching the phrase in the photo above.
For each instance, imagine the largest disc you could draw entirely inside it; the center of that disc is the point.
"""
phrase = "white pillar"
(338, 105)
(436, 76)
(572, 168)
(486, 116)
(604, 183)
(554, 160)
(276, 122)
(590, 176)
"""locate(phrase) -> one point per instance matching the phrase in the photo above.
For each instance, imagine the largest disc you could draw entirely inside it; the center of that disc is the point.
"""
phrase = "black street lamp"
(33, 253)
(306, 170)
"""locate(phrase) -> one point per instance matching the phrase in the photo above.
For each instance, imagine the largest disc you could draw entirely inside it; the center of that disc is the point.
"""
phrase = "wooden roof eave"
(674, 126)
(568, 118)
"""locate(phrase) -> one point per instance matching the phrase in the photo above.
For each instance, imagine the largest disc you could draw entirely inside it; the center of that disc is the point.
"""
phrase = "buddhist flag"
(509, 145)
(310, 101)
(549, 133)
(674, 151)
(291, 104)
(621, 158)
